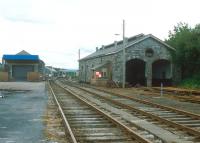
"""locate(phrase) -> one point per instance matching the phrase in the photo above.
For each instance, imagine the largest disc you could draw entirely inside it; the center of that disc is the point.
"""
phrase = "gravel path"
(54, 131)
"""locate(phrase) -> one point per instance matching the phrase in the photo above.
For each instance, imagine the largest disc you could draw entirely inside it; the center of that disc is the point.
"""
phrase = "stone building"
(148, 62)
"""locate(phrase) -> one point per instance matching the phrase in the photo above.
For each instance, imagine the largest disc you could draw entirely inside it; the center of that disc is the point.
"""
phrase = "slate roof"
(111, 49)
(23, 52)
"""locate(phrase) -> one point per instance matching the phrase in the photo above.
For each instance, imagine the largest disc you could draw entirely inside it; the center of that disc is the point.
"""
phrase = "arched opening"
(135, 72)
(161, 73)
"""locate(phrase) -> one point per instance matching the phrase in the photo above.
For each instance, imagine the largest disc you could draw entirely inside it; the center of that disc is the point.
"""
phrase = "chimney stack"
(115, 44)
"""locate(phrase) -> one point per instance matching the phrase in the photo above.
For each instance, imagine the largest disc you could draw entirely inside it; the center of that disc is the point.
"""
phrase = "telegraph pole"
(124, 58)
(79, 54)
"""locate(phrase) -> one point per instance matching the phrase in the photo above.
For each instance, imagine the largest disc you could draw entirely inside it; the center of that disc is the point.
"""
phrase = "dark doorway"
(19, 72)
(161, 73)
(135, 72)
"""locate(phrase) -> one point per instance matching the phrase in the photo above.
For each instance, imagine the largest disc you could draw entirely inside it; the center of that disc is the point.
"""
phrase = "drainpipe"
(124, 58)
(85, 71)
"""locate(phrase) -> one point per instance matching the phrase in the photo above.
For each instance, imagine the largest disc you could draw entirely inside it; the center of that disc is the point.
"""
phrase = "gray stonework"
(135, 49)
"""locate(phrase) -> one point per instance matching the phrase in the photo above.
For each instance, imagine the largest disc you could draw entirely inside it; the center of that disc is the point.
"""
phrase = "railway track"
(85, 122)
(177, 120)
(181, 95)
(179, 91)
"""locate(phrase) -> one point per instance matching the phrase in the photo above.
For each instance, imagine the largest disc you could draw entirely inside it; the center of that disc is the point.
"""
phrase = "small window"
(104, 74)
(149, 52)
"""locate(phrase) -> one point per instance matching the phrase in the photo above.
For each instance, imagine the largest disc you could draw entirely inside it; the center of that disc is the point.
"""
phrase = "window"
(104, 74)
(149, 52)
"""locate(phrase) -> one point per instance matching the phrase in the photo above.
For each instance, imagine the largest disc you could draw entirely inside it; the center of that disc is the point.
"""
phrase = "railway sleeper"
(192, 125)
(98, 134)
(179, 118)
(72, 117)
(172, 116)
(88, 121)
(98, 130)
(163, 114)
(189, 121)
(100, 125)
(86, 118)
(79, 111)
(102, 138)
(75, 108)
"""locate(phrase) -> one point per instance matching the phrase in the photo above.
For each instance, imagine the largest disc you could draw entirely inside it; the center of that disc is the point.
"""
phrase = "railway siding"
(191, 125)
(154, 96)
(160, 132)
(71, 111)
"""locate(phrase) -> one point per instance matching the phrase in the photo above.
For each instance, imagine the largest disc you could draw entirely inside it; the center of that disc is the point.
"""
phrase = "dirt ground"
(21, 112)
(21, 85)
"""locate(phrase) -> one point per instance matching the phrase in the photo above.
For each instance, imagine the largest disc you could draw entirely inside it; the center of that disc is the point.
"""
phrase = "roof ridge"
(108, 51)
(135, 36)
(23, 52)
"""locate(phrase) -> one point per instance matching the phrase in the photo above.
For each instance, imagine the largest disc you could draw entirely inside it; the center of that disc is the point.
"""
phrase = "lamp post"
(124, 58)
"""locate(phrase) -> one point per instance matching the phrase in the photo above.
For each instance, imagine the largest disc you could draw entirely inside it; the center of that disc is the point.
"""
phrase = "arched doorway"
(135, 72)
(161, 73)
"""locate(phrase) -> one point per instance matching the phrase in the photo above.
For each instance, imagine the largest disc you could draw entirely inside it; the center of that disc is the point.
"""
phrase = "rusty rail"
(116, 122)
(192, 115)
(66, 123)
(171, 123)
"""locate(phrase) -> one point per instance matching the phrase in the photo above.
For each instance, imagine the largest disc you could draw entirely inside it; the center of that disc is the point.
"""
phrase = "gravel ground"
(54, 130)
(165, 100)
(21, 113)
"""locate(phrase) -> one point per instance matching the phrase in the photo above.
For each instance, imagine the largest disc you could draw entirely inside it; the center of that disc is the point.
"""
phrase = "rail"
(171, 123)
(116, 122)
(66, 123)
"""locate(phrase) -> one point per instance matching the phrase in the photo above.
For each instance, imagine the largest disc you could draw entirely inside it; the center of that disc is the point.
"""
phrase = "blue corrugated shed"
(21, 57)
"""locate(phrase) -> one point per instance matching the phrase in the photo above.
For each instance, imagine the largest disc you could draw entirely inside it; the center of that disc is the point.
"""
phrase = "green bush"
(192, 83)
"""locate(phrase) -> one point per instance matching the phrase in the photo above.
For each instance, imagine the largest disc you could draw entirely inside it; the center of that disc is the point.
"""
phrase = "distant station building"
(50, 71)
(60, 72)
(148, 62)
(68, 73)
(23, 66)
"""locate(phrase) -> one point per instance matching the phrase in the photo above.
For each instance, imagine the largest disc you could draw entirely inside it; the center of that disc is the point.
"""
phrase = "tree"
(186, 41)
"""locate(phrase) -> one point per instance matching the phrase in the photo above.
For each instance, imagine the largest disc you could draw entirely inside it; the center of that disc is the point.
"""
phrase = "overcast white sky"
(56, 29)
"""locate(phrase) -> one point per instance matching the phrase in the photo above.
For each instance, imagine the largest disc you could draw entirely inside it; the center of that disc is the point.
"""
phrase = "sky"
(56, 29)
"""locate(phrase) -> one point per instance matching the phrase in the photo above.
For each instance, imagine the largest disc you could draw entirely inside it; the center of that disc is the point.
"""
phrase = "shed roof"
(111, 49)
(21, 57)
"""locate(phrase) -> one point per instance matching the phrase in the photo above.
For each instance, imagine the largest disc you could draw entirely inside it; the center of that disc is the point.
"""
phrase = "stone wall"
(86, 66)
(136, 51)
